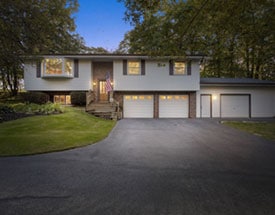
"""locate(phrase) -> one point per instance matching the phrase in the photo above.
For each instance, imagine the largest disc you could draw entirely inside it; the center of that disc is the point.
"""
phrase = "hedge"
(35, 97)
(78, 98)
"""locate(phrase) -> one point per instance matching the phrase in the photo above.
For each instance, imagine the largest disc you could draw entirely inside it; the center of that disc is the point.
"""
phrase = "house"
(150, 87)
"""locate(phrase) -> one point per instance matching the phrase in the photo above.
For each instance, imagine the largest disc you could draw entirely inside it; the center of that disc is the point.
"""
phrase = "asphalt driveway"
(147, 166)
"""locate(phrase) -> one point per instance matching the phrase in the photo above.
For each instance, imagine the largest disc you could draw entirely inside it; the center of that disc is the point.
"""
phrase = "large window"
(62, 99)
(134, 68)
(179, 68)
(57, 67)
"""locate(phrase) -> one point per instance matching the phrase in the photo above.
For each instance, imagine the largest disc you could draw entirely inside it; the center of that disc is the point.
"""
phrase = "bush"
(5, 109)
(48, 108)
(78, 98)
(35, 97)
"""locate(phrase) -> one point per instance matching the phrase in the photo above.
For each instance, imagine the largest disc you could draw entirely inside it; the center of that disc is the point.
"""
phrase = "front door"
(206, 106)
(103, 94)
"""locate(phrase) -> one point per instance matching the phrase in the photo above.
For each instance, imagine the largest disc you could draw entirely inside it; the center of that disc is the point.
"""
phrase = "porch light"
(214, 97)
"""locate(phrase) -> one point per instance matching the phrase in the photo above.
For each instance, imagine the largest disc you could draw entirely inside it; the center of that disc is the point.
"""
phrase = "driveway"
(147, 166)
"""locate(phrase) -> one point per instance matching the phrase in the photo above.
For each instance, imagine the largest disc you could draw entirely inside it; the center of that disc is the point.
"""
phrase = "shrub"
(35, 97)
(5, 109)
(78, 98)
(48, 108)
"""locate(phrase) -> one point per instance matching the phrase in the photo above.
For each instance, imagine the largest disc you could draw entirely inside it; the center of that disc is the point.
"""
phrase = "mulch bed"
(12, 116)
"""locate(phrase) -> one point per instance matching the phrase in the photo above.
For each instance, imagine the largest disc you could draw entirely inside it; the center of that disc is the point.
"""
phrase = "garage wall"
(262, 99)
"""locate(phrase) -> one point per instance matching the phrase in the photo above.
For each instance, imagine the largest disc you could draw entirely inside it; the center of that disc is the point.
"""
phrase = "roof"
(235, 82)
(117, 56)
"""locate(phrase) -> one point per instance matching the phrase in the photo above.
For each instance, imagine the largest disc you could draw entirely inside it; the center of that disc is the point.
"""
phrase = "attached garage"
(138, 106)
(235, 105)
(173, 106)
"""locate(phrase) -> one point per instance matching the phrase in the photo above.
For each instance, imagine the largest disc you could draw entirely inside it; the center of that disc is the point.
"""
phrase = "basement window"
(62, 99)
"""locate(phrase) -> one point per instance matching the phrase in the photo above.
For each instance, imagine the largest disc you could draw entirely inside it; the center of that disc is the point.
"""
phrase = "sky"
(100, 23)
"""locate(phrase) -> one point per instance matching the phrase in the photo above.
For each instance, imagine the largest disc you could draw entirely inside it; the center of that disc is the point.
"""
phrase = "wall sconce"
(214, 97)
(94, 83)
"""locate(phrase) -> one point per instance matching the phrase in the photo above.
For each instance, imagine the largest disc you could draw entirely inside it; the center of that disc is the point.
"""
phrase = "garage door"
(138, 106)
(173, 106)
(235, 106)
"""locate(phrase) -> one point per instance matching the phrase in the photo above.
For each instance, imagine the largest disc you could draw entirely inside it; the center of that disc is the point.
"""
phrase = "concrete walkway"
(147, 166)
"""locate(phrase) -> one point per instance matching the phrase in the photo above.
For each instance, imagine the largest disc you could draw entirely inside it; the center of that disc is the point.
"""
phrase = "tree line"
(236, 36)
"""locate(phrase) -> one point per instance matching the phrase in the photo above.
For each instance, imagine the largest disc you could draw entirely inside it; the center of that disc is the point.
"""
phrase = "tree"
(94, 50)
(238, 36)
(34, 27)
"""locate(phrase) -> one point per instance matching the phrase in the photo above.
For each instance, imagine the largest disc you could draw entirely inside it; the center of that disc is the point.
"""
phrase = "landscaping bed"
(15, 111)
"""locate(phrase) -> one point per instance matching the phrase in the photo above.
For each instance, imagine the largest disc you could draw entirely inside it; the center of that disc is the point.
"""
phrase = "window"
(179, 68)
(62, 99)
(57, 67)
(133, 67)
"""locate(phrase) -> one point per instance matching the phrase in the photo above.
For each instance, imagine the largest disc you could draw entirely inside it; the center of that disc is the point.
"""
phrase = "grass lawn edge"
(76, 120)
(264, 128)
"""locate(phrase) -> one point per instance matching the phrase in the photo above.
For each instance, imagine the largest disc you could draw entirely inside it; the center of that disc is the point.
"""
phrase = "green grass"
(264, 129)
(40, 134)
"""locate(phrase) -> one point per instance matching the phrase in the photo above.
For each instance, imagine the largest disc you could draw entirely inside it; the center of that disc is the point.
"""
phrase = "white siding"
(262, 99)
(156, 78)
(83, 82)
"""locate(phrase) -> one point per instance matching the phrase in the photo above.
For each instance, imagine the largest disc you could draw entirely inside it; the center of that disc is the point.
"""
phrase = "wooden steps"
(105, 110)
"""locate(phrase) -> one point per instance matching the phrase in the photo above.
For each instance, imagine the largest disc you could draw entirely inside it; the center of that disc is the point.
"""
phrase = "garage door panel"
(173, 106)
(235, 106)
(138, 106)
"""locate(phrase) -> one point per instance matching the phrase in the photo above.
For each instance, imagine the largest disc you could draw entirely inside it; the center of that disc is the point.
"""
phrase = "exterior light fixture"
(214, 97)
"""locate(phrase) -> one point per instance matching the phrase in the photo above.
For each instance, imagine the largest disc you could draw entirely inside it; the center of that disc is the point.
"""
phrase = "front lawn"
(264, 129)
(40, 134)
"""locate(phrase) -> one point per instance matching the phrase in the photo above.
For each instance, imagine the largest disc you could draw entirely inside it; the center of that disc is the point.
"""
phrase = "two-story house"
(150, 87)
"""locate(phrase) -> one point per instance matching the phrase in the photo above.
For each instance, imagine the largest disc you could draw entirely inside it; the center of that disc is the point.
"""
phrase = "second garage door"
(138, 106)
(235, 106)
(173, 106)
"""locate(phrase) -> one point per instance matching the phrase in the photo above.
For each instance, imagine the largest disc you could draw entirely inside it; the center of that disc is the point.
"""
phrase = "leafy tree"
(34, 27)
(238, 36)
(94, 50)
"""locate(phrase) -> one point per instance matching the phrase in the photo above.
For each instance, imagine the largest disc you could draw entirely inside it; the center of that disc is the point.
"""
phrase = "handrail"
(89, 98)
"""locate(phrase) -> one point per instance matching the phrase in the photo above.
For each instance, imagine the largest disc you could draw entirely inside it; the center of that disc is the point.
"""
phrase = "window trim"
(174, 67)
(64, 74)
(139, 67)
(187, 70)
(125, 68)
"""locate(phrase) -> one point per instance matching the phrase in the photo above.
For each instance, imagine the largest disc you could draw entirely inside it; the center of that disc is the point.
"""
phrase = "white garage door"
(138, 106)
(173, 106)
(235, 106)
